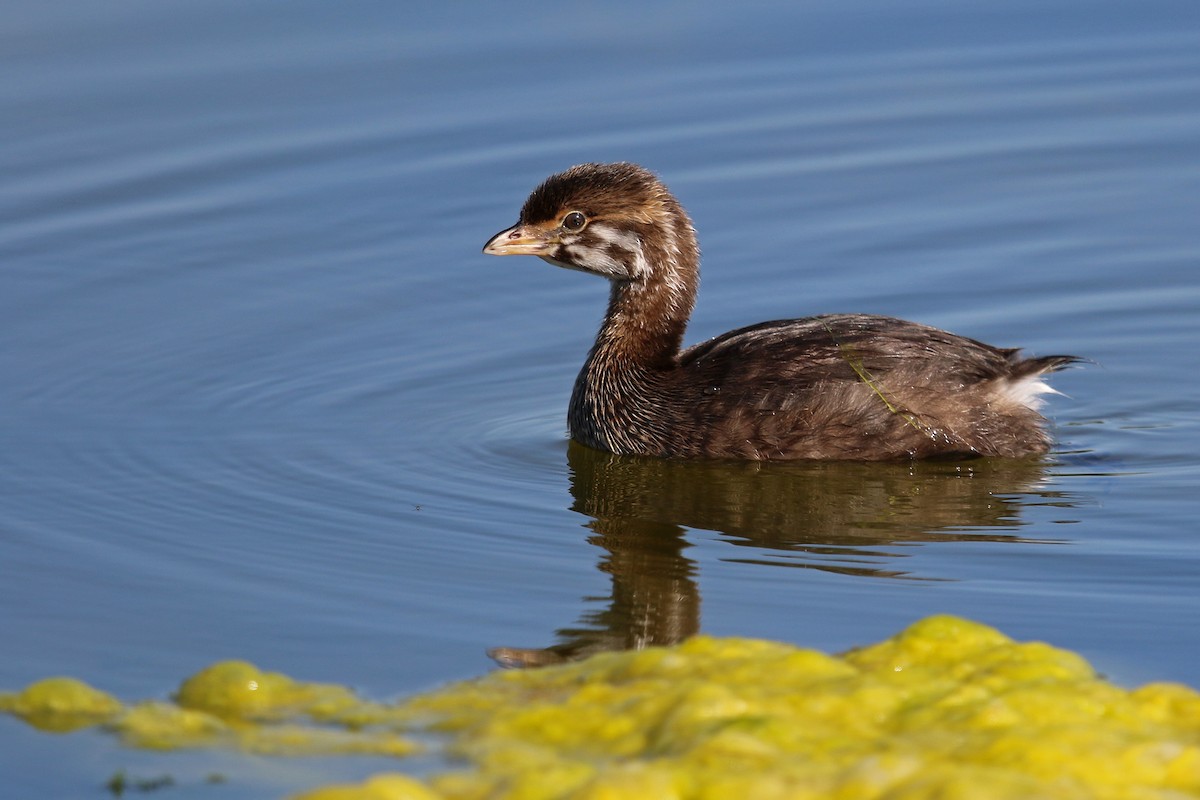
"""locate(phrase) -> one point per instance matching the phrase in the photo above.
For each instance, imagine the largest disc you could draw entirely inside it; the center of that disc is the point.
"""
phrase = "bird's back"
(855, 386)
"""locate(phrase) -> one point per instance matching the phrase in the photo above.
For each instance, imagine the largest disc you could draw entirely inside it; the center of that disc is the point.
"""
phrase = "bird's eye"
(574, 221)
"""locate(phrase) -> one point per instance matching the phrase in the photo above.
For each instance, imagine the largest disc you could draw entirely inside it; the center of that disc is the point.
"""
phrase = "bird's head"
(614, 220)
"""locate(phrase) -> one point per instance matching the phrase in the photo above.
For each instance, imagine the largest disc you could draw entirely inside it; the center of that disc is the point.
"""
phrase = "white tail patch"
(1028, 391)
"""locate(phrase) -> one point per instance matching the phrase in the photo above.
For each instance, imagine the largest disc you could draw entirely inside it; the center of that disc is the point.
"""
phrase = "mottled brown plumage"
(840, 386)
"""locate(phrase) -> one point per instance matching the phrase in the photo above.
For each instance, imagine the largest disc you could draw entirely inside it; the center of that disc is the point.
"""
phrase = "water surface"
(263, 398)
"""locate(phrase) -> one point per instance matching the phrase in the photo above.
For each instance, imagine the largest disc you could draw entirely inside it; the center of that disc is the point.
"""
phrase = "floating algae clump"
(946, 709)
(381, 787)
(239, 690)
(162, 726)
(60, 704)
(231, 704)
(234, 704)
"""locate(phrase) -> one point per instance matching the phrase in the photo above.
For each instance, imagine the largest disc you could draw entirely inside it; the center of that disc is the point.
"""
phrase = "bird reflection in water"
(843, 517)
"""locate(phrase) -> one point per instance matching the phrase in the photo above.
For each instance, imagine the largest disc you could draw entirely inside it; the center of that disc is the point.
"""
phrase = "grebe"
(837, 386)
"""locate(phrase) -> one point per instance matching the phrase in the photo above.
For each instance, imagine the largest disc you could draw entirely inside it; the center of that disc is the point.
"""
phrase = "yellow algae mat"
(947, 708)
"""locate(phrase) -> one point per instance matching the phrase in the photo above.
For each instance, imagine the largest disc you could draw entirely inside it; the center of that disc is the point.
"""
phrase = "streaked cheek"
(612, 261)
(627, 241)
(603, 260)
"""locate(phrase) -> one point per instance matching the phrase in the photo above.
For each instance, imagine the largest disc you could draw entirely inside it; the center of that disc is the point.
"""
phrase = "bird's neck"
(648, 314)
(621, 390)
(624, 382)
(645, 322)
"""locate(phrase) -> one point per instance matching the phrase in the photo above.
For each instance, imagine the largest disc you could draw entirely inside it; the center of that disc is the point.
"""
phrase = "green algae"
(947, 708)
(60, 704)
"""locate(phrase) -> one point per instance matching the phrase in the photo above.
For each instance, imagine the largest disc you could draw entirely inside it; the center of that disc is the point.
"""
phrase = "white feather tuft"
(1028, 391)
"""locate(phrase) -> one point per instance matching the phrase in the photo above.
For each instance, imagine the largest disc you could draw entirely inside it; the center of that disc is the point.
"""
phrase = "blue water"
(262, 397)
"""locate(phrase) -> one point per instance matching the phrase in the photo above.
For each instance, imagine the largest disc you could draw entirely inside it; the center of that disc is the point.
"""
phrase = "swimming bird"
(835, 386)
